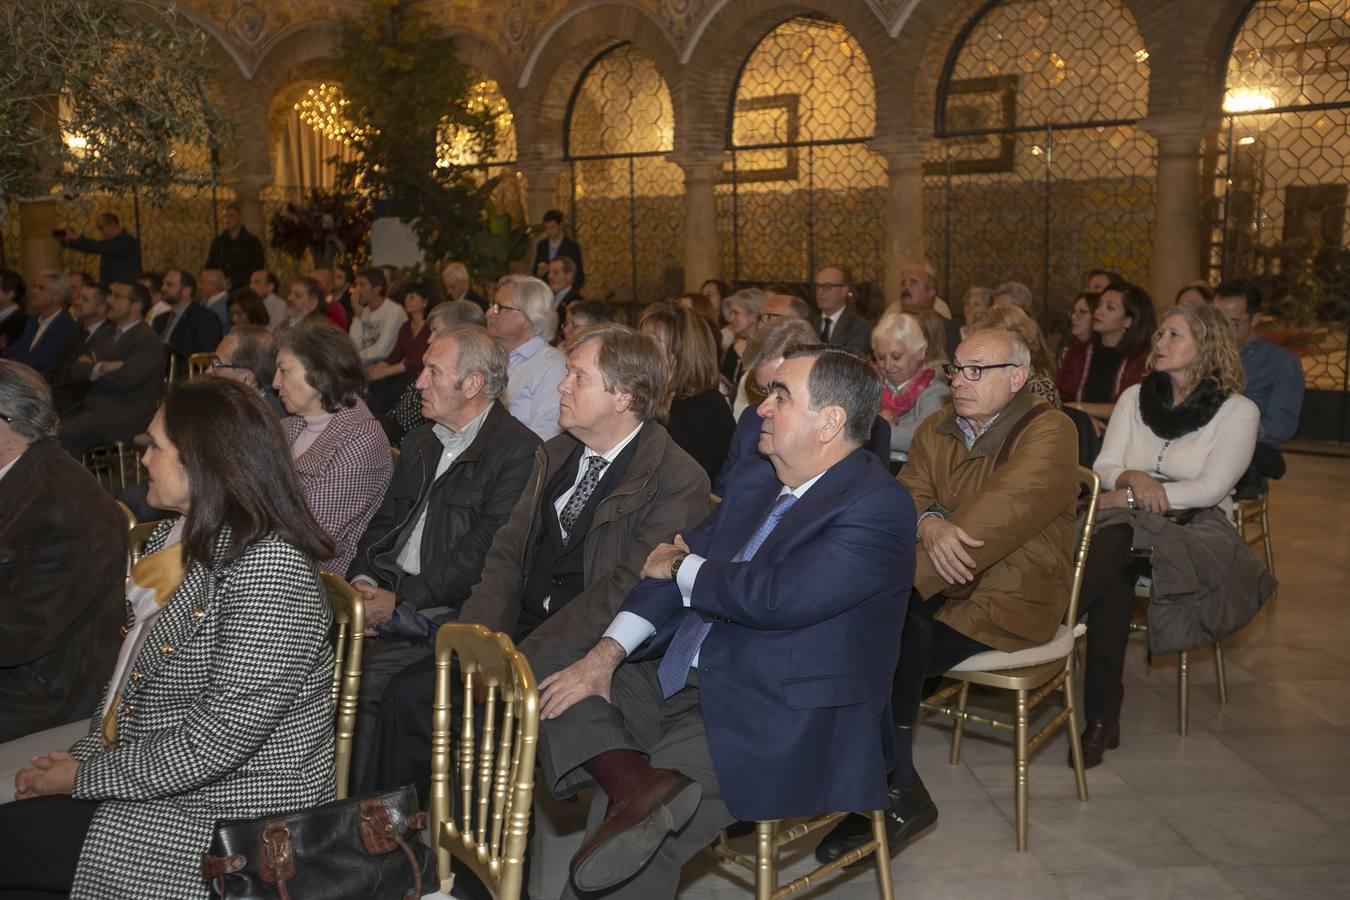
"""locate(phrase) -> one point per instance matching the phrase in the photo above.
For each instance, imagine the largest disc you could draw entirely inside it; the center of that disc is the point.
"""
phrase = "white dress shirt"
(630, 629)
(375, 331)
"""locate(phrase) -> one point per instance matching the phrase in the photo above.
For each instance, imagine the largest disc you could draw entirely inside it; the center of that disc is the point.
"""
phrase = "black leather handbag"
(364, 848)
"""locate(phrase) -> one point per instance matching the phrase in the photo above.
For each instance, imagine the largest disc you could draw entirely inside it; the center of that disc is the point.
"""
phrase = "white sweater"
(1198, 470)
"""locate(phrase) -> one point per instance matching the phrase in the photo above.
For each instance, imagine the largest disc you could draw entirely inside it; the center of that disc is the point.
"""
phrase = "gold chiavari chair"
(199, 364)
(493, 765)
(127, 514)
(1042, 670)
(136, 538)
(771, 836)
(113, 465)
(1249, 512)
(349, 616)
(1141, 591)
(393, 455)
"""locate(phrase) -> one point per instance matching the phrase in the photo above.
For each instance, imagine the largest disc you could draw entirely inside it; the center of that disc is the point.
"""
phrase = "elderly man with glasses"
(993, 480)
(523, 320)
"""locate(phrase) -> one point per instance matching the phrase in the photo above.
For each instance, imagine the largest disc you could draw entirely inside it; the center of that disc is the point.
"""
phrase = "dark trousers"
(668, 730)
(382, 661)
(399, 752)
(927, 648)
(42, 838)
(1106, 603)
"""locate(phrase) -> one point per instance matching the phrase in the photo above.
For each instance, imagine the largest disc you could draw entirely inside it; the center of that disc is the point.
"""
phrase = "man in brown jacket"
(601, 495)
(993, 480)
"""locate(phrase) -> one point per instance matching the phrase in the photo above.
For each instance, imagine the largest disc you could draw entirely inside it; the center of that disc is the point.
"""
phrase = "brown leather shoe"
(634, 829)
(1099, 736)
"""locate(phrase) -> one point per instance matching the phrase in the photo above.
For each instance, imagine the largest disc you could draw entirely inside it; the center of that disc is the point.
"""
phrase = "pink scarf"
(903, 402)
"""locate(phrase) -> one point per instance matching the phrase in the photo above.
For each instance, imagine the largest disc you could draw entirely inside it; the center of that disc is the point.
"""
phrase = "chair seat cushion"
(1060, 646)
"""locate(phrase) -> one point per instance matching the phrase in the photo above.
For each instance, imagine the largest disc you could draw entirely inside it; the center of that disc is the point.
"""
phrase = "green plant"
(103, 94)
(406, 88)
(329, 226)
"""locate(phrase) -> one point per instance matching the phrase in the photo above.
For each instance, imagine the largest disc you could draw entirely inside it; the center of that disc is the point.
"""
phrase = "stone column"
(1178, 226)
(903, 239)
(701, 251)
(38, 251)
(541, 187)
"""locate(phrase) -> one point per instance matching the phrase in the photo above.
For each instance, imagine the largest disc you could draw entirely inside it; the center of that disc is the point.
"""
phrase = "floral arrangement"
(328, 225)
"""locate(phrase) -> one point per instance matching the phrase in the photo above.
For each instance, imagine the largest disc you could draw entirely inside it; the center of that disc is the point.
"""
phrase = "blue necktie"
(674, 668)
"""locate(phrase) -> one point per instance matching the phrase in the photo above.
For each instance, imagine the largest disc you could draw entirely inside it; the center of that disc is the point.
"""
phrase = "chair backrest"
(393, 455)
(493, 762)
(127, 514)
(200, 363)
(349, 617)
(170, 365)
(1087, 525)
(137, 535)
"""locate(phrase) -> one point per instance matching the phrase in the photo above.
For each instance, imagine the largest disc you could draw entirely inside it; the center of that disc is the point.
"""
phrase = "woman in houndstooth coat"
(220, 704)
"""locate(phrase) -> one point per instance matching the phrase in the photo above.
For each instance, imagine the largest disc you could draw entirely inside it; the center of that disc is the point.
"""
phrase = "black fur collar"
(1171, 422)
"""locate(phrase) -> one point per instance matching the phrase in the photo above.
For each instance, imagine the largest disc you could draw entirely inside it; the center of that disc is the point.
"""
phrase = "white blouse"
(1199, 469)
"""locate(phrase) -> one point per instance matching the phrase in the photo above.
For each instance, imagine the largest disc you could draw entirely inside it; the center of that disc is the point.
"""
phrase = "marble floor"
(1254, 803)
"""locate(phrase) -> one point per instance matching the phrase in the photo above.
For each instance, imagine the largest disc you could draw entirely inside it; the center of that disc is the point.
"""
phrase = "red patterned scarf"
(904, 401)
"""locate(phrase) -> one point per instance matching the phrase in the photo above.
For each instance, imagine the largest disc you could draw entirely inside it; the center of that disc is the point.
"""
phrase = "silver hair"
(479, 353)
(748, 299)
(535, 301)
(456, 269)
(1021, 296)
(26, 401)
(904, 328)
(447, 315)
(59, 285)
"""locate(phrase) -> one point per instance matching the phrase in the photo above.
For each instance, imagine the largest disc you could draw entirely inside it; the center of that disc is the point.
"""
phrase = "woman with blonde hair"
(1016, 320)
(1177, 443)
(911, 390)
(700, 421)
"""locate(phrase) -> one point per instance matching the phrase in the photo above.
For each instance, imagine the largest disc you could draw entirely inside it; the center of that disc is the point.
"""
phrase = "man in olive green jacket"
(993, 476)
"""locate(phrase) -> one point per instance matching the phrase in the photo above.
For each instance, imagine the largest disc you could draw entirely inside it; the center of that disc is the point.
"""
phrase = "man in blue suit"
(748, 675)
(42, 344)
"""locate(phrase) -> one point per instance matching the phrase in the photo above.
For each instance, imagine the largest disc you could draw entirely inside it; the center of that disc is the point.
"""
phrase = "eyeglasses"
(828, 285)
(973, 373)
(6, 418)
(217, 364)
(496, 308)
(767, 316)
(1076, 313)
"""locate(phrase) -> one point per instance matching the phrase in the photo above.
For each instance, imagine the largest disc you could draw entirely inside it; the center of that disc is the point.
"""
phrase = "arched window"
(802, 190)
(1282, 176)
(626, 200)
(1041, 172)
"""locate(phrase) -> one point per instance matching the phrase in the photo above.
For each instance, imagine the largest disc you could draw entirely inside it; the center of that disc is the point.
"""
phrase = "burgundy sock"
(618, 772)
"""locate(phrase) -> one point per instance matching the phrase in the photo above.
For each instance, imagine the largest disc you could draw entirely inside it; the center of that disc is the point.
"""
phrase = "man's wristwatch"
(675, 565)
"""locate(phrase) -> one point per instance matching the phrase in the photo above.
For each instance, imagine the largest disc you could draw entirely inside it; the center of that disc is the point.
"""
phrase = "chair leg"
(1075, 736)
(766, 861)
(882, 855)
(1220, 674)
(1020, 771)
(960, 725)
(1183, 693)
(1265, 533)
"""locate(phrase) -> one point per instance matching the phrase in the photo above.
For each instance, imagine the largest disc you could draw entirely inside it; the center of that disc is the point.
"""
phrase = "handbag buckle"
(276, 861)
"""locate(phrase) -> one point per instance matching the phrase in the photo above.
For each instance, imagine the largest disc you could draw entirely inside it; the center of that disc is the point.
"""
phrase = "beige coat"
(1023, 510)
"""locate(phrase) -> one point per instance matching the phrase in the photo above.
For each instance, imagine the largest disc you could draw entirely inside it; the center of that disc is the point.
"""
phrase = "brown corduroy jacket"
(1023, 510)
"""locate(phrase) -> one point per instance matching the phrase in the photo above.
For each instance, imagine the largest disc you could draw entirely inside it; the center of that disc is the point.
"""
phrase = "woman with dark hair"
(339, 448)
(219, 705)
(700, 421)
(392, 375)
(1196, 293)
(1178, 443)
(1080, 323)
(246, 308)
(1095, 372)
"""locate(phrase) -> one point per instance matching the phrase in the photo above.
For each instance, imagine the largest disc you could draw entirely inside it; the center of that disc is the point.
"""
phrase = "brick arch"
(727, 36)
(566, 47)
(1188, 46)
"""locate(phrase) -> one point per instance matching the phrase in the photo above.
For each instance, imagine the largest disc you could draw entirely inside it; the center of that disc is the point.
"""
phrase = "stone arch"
(727, 37)
(565, 48)
(1188, 45)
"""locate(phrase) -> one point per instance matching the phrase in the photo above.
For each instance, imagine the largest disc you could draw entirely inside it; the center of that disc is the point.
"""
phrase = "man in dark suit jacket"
(188, 327)
(748, 676)
(93, 338)
(62, 562)
(839, 323)
(47, 332)
(554, 244)
(457, 479)
(547, 583)
(119, 253)
(124, 388)
(236, 251)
